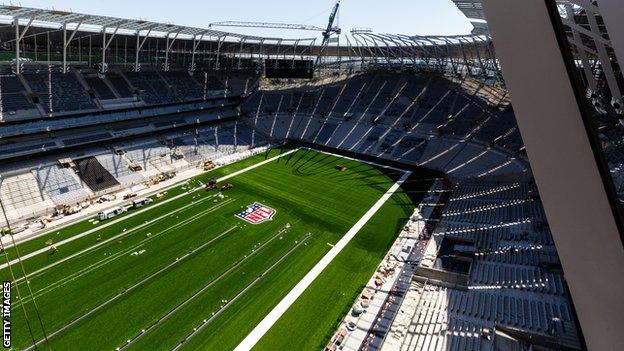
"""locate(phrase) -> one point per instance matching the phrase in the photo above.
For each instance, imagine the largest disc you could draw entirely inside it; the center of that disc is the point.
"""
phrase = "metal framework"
(23, 18)
(271, 25)
(169, 45)
(594, 52)
(565, 155)
(460, 55)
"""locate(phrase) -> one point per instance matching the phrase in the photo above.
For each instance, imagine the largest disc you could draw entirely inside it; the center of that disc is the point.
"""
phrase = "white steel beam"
(566, 162)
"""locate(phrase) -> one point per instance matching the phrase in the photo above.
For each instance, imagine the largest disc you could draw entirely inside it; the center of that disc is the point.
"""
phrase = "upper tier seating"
(120, 85)
(101, 90)
(13, 95)
(152, 88)
(59, 92)
(48, 91)
(185, 87)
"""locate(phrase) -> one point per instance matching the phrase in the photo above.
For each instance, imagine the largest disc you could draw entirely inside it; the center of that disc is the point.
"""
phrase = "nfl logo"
(256, 213)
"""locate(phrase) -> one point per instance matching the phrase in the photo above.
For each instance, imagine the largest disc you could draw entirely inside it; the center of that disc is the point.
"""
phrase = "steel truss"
(460, 55)
(594, 49)
(135, 42)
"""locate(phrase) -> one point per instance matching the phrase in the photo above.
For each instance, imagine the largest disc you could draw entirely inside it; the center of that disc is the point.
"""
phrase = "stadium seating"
(61, 184)
(22, 198)
(184, 85)
(514, 278)
(151, 87)
(44, 90)
(94, 175)
(424, 104)
(120, 169)
(453, 319)
(120, 85)
(59, 92)
(13, 95)
(101, 90)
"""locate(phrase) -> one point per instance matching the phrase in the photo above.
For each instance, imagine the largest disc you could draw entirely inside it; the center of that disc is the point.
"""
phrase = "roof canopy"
(56, 19)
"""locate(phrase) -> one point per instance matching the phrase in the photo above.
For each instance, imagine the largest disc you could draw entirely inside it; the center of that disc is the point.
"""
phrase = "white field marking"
(211, 283)
(101, 243)
(61, 282)
(78, 236)
(123, 293)
(182, 223)
(127, 232)
(256, 165)
(269, 320)
(229, 302)
(358, 160)
(117, 255)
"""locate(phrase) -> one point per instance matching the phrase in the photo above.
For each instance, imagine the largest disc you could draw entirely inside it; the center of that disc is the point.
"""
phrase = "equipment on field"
(212, 184)
(129, 196)
(110, 213)
(105, 198)
(166, 175)
(141, 202)
(341, 168)
(208, 165)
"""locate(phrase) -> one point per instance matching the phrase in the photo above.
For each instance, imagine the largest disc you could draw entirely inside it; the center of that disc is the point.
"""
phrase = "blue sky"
(383, 16)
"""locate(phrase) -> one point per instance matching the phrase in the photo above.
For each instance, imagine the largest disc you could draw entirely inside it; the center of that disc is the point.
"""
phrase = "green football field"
(187, 268)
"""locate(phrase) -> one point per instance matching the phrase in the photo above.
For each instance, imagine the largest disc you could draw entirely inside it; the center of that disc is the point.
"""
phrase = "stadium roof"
(57, 18)
(473, 9)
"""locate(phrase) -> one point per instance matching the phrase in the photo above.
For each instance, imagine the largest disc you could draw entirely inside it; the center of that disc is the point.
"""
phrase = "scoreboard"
(283, 68)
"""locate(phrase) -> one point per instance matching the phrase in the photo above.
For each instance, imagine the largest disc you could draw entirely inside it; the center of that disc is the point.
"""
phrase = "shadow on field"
(309, 169)
(290, 157)
(303, 154)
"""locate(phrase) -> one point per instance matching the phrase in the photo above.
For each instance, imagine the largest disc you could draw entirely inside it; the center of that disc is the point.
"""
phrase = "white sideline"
(358, 160)
(263, 327)
(91, 231)
(256, 165)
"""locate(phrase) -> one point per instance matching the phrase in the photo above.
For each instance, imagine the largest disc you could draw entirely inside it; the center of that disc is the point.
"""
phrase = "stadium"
(171, 187)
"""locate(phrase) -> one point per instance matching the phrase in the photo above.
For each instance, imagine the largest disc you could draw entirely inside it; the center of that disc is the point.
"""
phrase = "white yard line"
(93, 310)
(263, 327)
(116, 255)
(256, 165)
(91, 231)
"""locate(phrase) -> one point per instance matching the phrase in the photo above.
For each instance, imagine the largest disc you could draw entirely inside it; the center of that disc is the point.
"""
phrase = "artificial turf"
(200, 259)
